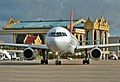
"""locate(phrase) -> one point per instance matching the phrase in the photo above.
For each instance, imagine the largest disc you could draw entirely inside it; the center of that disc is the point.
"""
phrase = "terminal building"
(87, 32)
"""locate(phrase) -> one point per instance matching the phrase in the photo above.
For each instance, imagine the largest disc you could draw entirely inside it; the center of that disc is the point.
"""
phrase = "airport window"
(57, 34)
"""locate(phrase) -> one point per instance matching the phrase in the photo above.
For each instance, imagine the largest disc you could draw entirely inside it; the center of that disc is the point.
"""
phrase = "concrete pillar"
(83, 39)
(92, 37)
(106, 37)
(98, 36)
(103, 39)
(14, 38)
(78, 37)
(103, 34)
(88, 37)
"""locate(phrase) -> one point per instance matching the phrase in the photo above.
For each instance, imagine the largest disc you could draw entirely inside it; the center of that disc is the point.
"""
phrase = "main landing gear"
(86, 59)
(45, 57)
(44, 61)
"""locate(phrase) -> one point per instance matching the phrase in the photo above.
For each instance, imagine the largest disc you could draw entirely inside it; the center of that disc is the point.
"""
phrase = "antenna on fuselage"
(71, 22)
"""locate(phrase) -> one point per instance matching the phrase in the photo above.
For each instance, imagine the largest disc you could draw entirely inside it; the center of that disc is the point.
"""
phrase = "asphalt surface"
(70, 71)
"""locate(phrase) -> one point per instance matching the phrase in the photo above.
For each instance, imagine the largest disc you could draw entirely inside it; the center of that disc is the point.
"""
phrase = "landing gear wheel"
(86, 59)
(83, 62)
(86, 62)
(57, 62)
(44, 61)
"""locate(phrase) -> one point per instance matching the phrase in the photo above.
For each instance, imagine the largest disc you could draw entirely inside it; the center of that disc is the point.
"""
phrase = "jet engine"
(96, 54)
(29, 54)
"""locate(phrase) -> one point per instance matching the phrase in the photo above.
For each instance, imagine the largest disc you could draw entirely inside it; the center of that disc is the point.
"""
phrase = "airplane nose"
(53, 44)
(59, 45)
(56, 44)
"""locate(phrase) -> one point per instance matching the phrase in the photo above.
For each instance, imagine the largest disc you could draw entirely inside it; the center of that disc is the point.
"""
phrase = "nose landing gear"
(57, 62)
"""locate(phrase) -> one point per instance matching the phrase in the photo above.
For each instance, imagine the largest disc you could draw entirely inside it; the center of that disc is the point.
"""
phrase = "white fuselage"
(59, 39)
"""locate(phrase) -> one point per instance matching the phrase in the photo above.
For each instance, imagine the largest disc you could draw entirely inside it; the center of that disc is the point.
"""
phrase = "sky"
(60, 9)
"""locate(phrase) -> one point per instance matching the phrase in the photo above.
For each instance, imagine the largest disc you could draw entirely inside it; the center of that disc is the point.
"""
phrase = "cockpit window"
(57, 34)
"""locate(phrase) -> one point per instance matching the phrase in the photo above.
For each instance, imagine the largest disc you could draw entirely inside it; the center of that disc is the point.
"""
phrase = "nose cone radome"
(58, 45)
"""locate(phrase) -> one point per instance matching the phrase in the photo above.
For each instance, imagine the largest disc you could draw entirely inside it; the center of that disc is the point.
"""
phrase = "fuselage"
(59, 39)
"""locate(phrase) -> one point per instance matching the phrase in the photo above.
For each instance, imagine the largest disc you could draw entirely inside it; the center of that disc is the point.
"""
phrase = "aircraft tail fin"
(71, 22)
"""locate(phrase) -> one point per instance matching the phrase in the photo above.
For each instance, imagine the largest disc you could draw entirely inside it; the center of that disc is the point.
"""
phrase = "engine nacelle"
(29, 54)
(96, 54)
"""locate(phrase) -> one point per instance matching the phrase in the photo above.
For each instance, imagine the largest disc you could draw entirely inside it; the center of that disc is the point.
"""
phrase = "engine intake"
(29, 54)
(96, 54)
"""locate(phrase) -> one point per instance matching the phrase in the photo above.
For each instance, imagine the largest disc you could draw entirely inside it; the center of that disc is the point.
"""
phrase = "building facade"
(87, 32)
(97, 33)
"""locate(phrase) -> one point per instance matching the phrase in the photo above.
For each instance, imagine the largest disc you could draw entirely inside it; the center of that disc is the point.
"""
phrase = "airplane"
(60, 40)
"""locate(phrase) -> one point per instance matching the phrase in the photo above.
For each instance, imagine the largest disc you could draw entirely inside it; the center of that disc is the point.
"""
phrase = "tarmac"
(69, 71)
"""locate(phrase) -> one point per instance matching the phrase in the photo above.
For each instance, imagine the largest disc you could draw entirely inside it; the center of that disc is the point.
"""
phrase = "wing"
(99, 46)
(42, 46)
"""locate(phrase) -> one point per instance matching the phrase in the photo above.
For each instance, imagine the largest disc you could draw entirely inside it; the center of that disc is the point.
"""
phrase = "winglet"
(71, 22)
